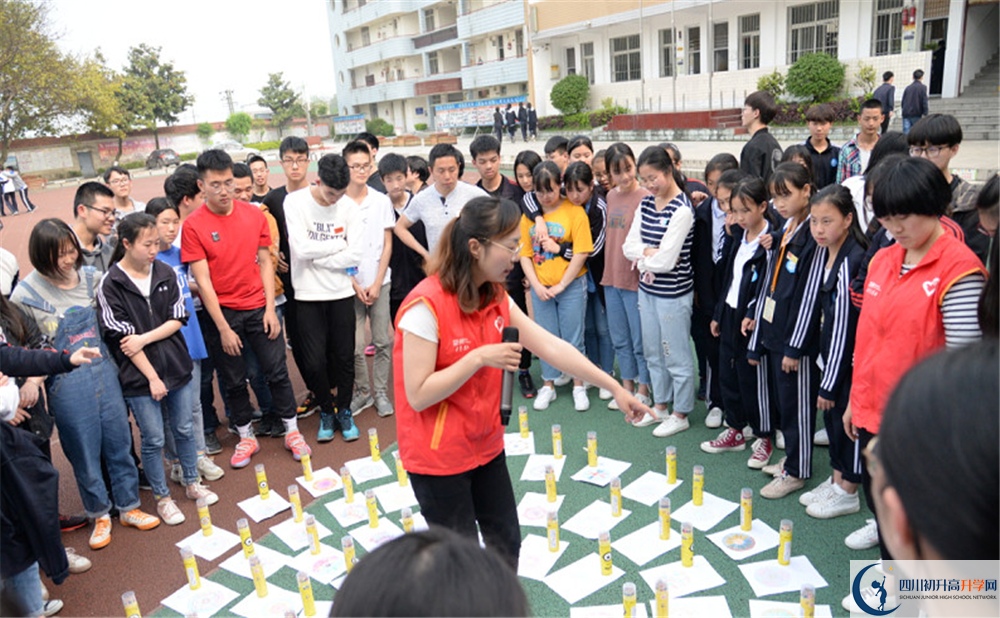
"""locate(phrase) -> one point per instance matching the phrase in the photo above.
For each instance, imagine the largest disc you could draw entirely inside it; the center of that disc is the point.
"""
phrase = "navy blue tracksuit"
(708, 278)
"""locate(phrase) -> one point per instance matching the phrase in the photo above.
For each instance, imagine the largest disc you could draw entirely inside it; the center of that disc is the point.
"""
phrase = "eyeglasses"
(105, 212)
(930, 151)
(216, 187)
(301, 162)
(360, 167)
(120, 181)
(513, 252)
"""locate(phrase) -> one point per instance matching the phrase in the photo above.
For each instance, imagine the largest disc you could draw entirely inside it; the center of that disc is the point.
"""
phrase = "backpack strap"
(35, 299)
(90, 273)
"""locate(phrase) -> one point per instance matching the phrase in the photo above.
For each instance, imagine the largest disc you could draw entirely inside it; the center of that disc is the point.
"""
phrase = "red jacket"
(462, 432)
(901, 321)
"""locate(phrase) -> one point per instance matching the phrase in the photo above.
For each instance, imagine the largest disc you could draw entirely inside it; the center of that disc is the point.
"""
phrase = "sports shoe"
(865, 537)
(762, 450)
(72, 522)
(729, 440)
(347, 427)
(272, 426)
(643, 399)
(604, 394)
(177, 473)
(714, 418)
(326, 423)
(671, 425)
(244, 450)
(383, 407)
(212, 444)
(169, 512)
(138, 519)
(649, 419)
(581, 402)
(370, 351)
(208, 470)
(52, 606)
(197, 490)
(562, 380)
(818, 494)
(360, 401)
(528, 390)
(295, 443)
(779, 439)
(546, 395)
(774, 469)
(781, 486)
(821, 438)
(101, 535)
(838, 502)
(307, 407)
(77, 563)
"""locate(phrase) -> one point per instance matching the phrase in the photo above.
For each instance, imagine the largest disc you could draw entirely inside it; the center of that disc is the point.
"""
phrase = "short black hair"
(578, 173)
(418, 165)
(528, 158)
(484, 144)
(821, 113)
(763, 102)
(116, 169)
(799, 153)
(442, 151)
(722, 162)
(910, 186)
(255, 158)
(182, 183)
(87, 193)
(672, 150)
(293, 143)
(989, 195)
(556, 144)
(215, 160)
(918, 74)
(577, 142)
(887, 76)
(890, 143)
(870, 104)
(391, 164)
(730, 179)
(935, 130)
(616, 155)
(370, 139)
(333, 171)
(242, 170)
(157, 205)
(546, 175)
(46, 242)
(356, 147)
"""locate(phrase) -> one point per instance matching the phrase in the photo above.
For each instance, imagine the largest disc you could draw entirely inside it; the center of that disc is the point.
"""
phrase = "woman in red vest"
(920, 294)
(448, 363)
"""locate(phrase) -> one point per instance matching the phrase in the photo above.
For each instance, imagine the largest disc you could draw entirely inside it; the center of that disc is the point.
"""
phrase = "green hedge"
(273, 145)
(189, 156)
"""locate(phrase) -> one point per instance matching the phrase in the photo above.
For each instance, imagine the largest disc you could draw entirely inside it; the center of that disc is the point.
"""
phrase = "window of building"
(570, 61)
(432, 63)
(750, 41)
(373, 110)
(694, 51)
(519, 42)
(667, 61)
(366, 36)
(428, 20)
(813, 28)
(626, 59)
(720, 46)
(587, 60)
(500, 47)
(888, 36)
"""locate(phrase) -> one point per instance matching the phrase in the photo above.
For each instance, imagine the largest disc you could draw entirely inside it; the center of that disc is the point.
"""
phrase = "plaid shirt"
(849, 163)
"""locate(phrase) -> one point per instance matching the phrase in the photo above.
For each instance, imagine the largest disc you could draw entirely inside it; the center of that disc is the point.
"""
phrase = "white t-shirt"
(419, 320)
(743, 255)
(436, 211)
(376, 217)
(144, 284)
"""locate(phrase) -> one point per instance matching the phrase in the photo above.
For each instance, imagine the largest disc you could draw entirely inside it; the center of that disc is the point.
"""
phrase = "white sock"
(246, 431)
(291, 424)
(838, 490)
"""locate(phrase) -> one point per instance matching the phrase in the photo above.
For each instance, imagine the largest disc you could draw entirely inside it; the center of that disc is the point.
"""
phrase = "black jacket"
(407, 265)
(522, 115)
(511, 116)
(708, 274)
(840, 321)
(886, 93)
(753, 276)
(824, 163)
(760, 155)
(122, 310)
(914, 103)
(13, 356)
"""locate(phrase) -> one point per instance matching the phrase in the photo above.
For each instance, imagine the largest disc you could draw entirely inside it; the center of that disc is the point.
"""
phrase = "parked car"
(236, 150)
(163, 157)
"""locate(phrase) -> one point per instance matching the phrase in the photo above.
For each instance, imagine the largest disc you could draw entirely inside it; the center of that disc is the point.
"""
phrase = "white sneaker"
(714, 418)
(818, 494)
(779, 439)
(208, 469)
(649, 419)
(169, 512)
(671, 425)
(838, 502)
(177, 474)
(200, 491)
(580, 400)
(865, 537)
(77, 563)
(562, 380)
(545, 396)
(821, 438)
(604, 394)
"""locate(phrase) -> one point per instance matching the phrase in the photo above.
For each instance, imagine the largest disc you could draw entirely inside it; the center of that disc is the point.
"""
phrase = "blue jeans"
(597, 335)
(150, 414)
(197, 421)
(563, 317)
(90, 414)
(626, 333)
(25, 591)
(908, 122)
(666, 338)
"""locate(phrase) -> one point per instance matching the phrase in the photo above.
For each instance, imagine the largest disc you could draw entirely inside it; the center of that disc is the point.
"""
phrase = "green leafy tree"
(279, 97)
(864, 79)
(319, 107)
(773, 83)
(570, 94)
(164, 87)
(205, 130)
(816, 77)
(378, 126)
(239, 125)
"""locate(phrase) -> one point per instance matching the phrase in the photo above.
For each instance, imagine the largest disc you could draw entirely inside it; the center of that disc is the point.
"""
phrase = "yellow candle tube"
(592, 449)
(373, 444)
(557, 449)
(687, 544)
(604, 548)
(522, 421)
(550, 484)
(664, 518)
(313, 534)
(296, 500)
(306, 590)
(662, 599)
(265, 493)
(628, 599)
(616, 497)
(698, 485)
(401, 471)
(552, 528)
(785, 542)
(672, 465)
(257, 571)
(307, 469)
(190, 567)
(746, 509)
(350, 557)
(407, 515)
(131, 605)
(372, 509)
(204, 518)
(807, 599)
(345, 477)
(245, 539)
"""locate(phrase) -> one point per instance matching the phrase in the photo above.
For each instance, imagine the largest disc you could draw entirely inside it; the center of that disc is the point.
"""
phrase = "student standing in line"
(405, 263)
(761, 154)
(93, 221)
(855, 154)
(825, 155)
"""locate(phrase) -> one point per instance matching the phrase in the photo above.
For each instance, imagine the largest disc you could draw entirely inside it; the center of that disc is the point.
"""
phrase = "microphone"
(510, 335)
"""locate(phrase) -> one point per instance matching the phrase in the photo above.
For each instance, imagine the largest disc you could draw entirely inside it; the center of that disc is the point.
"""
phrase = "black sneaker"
(271, 426)
(143, 481)
(71, 522)
(212, 444)
(528, 390)
(255, 416)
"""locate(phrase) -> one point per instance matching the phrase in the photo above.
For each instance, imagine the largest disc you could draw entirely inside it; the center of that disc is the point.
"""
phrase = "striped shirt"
(959, 310)
(675, 279)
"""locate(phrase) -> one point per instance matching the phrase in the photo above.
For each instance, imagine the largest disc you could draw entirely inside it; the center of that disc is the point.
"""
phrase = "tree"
(277, 95)
(570, 94)
(773, 83)
(239, 125)
(205, 130)
(817, 77)
(164, 87)
(100, 100)
(37, 81)
(864, 79)
(319, 107)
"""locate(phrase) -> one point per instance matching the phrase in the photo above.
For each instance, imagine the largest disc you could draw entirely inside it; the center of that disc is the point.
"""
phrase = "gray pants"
(381, 327)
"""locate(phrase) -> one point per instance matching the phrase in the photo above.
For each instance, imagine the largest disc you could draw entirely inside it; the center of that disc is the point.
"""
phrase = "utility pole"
(227, 96)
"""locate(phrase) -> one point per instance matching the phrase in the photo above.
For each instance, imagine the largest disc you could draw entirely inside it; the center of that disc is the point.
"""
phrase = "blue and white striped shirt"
(654, 223)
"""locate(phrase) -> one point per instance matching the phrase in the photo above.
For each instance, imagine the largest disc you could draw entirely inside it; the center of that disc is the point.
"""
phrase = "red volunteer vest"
(901, 321)
(462, 432)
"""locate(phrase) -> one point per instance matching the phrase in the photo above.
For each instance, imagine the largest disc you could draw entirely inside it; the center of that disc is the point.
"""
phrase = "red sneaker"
(729, 440)
(244, 450)
(297, 445)
(762, 449)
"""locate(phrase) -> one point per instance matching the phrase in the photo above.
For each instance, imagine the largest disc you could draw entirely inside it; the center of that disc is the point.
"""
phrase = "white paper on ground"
(697, 607)
(536, 560)
(372, 538)
(393, 498)
(769, 609)
(324, 567)
(534, 468)
(278, 602)
(514, 444)
(649, 488)
(769, 577)
(739, 544)
(606, 611)
(601, 475)
(207, 600)
(269, 559)
(259, 510)
(210, 547)
(684, 580)
(713, 509)
(594, 518)
(349, 514)
(581, 579)
(364, 469)
(293, 534)
(533, 510)
(323, 482)
(645, 544)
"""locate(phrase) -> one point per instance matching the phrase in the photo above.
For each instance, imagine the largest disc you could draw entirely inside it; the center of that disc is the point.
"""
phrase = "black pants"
(327, 349)
(515, 287)
(885, 123)
(10, 201)
(512, 129)
(249, 326)
(738, 379)
(483, 495)
(707, 348)
(845, 454)
(498, 131)
(796, 394)
(24, 198)
(864, 437)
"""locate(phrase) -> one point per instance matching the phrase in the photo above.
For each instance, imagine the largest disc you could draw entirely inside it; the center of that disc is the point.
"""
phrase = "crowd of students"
(810, 279)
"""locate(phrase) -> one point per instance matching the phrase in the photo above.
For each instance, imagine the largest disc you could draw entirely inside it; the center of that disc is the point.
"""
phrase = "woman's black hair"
(600, 154)
(529, 159)
(722, 162)
(989, 299)
(790, 173)
(546, 176)
(578, 173)
(418, 165)
(748, 189)
(616, 156)
(938, 449)
(47, 240)
(910, 186)
(129, 229)
(988, 200)
(799, 154)
(157, 205)
(730, 179)
(435, 572)
(658, 159)
(840, 198)
(578, 141)
(890, 143)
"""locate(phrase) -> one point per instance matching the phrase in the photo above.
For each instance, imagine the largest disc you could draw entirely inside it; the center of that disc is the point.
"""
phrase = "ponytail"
(129, 229)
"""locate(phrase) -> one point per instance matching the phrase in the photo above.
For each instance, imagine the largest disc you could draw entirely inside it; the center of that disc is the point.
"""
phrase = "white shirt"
(419, 320)
(324, 241)
(743, 255)
(376, 216)
(436, 211)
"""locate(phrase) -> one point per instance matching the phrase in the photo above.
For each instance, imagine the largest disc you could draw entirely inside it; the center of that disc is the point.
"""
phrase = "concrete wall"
(982, 39)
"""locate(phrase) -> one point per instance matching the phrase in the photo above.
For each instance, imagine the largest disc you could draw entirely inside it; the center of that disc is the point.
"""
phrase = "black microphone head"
(510, 335)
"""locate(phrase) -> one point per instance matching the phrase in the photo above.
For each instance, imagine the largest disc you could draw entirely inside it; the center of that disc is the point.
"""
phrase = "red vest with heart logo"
(901, 321)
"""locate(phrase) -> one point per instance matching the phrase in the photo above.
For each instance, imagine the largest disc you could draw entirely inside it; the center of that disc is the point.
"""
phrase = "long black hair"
(658, 159)
(840, 198)
(129, 229)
